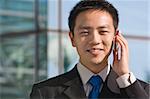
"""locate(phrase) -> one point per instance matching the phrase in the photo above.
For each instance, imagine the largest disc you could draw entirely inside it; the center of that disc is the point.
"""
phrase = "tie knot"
(95, 80)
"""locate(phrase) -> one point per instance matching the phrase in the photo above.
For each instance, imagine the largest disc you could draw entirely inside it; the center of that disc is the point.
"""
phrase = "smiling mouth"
(94, 51)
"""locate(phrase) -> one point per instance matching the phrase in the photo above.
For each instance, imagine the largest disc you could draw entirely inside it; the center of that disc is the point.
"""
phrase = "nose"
(95, 38)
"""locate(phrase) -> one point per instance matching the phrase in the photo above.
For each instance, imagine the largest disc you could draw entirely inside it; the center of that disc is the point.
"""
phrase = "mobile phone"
(115, 45)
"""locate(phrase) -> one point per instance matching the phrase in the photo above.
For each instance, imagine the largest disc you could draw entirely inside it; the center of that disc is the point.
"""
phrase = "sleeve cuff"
(126, 80)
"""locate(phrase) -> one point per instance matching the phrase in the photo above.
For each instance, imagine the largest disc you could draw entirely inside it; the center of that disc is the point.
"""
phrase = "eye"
(103, 32)
(84, 33)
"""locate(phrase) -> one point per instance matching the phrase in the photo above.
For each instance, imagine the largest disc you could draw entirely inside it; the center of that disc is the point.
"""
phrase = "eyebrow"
(85, 27)
(89, 27)
(103, 27)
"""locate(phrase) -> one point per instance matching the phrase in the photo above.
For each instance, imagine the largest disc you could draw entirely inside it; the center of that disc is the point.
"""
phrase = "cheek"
(108, 43)
(81, 42)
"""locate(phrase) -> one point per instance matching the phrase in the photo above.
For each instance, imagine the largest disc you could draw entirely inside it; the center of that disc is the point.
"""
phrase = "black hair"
(85, 5)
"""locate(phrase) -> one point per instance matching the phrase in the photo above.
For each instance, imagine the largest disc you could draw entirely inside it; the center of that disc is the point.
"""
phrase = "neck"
(96, 68)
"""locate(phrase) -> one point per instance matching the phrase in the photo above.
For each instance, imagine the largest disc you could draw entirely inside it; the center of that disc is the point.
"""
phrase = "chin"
(97, 61)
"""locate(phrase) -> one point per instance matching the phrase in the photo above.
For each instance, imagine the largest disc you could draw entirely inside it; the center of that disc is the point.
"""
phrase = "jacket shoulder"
(144, 84)
(58, 80)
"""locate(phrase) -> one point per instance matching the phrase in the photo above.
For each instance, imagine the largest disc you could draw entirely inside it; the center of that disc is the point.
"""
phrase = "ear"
(72, 39)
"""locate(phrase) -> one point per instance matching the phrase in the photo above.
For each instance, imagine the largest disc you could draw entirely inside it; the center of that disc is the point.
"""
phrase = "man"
(93, 31)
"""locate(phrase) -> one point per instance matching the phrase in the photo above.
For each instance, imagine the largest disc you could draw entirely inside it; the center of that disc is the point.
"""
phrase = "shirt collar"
(86, 74)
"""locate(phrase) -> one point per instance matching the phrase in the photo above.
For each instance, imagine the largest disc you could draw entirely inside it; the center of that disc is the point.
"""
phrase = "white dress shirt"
(86, 74)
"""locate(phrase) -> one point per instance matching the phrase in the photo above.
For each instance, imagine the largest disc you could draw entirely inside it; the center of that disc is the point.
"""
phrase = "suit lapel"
(110, 88)
(74, 87)
(111, 82)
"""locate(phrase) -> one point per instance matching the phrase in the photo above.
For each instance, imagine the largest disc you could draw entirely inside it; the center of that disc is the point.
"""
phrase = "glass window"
(18, 63)
(16, 15)
(23, 46)
(16, 68)
(139, 59)
(67, 5)
(19, 15)
(53, 55)
(52, 14)
(133, 16)
(70, 56)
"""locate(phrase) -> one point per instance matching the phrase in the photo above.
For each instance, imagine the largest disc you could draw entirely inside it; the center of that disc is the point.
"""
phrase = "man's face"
(93, 36)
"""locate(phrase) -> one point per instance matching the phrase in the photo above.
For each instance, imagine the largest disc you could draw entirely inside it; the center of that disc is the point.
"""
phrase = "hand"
(120, 62)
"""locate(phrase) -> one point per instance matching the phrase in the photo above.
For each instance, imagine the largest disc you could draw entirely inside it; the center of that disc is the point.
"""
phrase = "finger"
(115, 54)
(123, 39)
(124, 50)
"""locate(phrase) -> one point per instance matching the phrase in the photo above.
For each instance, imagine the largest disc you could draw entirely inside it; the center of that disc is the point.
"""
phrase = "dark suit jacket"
(69, 86)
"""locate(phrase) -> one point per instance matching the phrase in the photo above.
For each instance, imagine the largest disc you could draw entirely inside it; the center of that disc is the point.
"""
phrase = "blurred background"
(34, 41)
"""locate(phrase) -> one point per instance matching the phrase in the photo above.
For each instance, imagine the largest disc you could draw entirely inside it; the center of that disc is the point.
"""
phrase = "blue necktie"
(95, 82)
